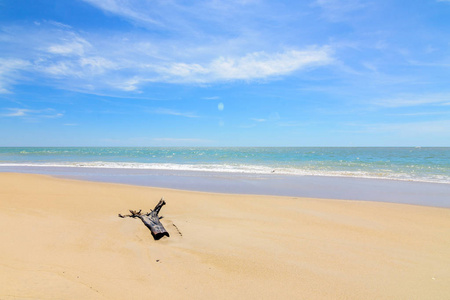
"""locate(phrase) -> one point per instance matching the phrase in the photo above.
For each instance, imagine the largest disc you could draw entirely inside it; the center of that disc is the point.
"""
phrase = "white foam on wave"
(221, 168)
(243, 169)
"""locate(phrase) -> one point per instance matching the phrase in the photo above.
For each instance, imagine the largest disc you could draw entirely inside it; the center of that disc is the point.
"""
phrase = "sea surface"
(402, 164)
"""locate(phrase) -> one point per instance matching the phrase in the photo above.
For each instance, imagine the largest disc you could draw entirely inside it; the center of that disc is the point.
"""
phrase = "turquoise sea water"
(412, 164)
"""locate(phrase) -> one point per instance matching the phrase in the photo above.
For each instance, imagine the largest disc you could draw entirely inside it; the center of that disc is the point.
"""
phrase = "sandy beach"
(63, 239)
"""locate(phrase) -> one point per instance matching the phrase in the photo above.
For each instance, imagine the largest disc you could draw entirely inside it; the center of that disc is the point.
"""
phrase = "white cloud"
(73, 57)
(61, 68)
(257, 65)
(16, 112)
(74, 46)
(262, 65)
(185, 70)
(96, 63)
(82, 69)
(9, 72)
(252, 66)
(47, 113)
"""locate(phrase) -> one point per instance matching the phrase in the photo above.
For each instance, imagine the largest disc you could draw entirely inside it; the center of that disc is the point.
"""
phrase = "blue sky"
(224, 73)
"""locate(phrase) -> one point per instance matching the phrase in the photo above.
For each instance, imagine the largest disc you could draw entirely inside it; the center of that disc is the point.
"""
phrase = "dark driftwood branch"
(151, 220)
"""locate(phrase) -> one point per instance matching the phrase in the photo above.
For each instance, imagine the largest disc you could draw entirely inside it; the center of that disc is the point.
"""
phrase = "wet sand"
(350, 188)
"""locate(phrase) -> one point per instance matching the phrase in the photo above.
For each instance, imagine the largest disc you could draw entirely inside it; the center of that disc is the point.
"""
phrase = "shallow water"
(407, 164)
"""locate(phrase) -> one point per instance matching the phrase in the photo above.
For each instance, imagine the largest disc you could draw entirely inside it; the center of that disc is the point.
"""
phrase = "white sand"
(62, 239)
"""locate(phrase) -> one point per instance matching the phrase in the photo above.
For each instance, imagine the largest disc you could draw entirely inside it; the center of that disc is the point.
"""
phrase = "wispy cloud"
(258, 120)
(414, 128)
(135, 10)
(72, 57)
(338, 10)
(166, 111)
(263, 65)
(257, 65)
(176, 15)
(16, 112)
(75, 61)
(72, 46)
(48, 113)
(10, 72)
(414, 100)
(421, 114)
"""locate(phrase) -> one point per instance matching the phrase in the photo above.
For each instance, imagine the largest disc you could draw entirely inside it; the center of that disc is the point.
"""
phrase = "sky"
(224, 73)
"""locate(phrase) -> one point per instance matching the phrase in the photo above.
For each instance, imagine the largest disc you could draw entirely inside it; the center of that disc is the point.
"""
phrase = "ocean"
(427, 164)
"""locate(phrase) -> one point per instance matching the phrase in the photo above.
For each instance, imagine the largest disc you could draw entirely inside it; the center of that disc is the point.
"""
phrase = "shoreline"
(62, 239)
(349, 188)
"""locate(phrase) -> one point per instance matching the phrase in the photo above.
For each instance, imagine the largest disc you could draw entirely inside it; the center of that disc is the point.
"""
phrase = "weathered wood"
(151, 220)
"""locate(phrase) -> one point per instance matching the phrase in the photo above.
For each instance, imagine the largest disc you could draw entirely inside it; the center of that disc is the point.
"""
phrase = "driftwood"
(151, 220)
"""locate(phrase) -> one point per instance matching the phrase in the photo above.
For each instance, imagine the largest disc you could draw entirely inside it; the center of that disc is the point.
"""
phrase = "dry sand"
(62, 239)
